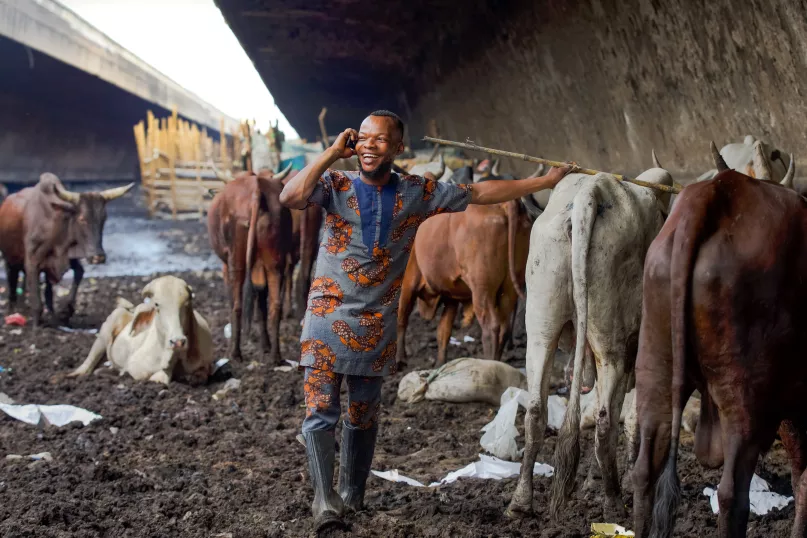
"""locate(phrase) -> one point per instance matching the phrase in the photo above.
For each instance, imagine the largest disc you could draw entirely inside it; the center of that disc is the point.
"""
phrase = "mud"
(175, 462)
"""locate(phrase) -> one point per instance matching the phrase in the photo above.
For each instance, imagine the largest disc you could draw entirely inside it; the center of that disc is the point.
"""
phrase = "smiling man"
(349, 328)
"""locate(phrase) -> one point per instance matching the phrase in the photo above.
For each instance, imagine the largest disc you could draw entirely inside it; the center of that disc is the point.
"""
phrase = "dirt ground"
(175, 462)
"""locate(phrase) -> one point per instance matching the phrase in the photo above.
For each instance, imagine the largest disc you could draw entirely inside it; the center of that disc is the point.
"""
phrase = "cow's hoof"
(615, 509)
(517, 511)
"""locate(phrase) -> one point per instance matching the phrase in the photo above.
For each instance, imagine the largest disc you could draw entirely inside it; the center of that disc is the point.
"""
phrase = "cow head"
(168, 307)
(87, 225)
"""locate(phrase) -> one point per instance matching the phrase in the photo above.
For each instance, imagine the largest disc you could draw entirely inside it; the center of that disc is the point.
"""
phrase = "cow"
(251, 232)
(584, 275)
(456, 258)
(48, 229)
(438, 169)
(161, 339)
(724, 313)
(740, 157)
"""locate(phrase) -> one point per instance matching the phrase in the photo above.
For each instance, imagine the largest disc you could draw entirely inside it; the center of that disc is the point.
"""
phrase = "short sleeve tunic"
(350, 324)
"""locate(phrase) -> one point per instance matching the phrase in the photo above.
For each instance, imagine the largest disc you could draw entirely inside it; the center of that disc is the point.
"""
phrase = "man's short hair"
(387, 114)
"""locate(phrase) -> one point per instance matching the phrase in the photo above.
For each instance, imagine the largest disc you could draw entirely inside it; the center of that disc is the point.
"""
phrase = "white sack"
(762, 499)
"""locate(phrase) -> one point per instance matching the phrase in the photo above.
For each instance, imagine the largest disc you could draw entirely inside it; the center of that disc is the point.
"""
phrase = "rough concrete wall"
(604, 81)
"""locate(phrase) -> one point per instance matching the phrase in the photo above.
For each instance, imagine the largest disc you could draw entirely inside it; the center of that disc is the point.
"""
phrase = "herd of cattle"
(668, 294)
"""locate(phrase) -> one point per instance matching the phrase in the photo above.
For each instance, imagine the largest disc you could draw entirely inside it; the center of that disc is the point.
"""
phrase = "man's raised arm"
(298, 190)
(496, 192)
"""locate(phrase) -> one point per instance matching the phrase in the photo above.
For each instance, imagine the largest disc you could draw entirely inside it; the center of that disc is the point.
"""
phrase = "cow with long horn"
(47, 228)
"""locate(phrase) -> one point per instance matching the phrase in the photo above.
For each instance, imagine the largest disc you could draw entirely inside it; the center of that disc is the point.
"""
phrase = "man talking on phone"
(349, 329)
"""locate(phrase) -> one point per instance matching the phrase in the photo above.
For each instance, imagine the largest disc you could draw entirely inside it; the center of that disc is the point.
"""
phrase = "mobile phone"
(351, 143)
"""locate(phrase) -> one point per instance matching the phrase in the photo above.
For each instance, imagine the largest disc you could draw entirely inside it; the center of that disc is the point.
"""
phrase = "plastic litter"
(16, 319)
(85, 331)
(231, 385)
(57, 415)
(763, 500)
(219, 363)
(488, 467)
(609, 530)
(454, 342)
(228, 331)
(467, 339)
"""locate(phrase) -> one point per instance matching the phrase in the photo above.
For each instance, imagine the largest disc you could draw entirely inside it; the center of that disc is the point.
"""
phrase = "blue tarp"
(298, 163)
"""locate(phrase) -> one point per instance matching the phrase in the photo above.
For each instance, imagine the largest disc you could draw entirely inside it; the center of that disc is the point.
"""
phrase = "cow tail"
(567, 449)
(512, 225)
(686, 242)
(254, 206)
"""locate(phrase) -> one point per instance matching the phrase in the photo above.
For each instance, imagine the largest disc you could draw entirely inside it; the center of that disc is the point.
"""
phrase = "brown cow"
(724, 311)
(251, 232)
(46, 228)
(460, 257)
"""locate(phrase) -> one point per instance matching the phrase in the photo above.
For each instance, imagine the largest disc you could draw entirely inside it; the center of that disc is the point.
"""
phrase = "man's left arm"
(499, 191)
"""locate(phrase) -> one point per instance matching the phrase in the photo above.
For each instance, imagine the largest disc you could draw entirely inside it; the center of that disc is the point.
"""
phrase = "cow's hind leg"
(406, 303)
(275, 281)
(78, 275)
(611, 394)
(741, 457)
(444, 329)
(794, 439)
(237, 274)
(49, 298)
(263, 317)
(542, 342)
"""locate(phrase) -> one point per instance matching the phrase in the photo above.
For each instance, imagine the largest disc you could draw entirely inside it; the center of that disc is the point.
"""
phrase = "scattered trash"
(222, 370)
(231, 385)
(609, 530)
(286, 368)
(454, 342)
(461, 380)
(293, 364)
(588, 411)
(252, 365)
(13, 457)
(5, 399)
(228, 331)
(219, 363)
(488, 467)
(16, 319)
(57, 415)
(46, 456)
(16, 332)
(2, 369)
(62, 292)
(763, 500)
(113, 430)
(467, 339)
(85, 331)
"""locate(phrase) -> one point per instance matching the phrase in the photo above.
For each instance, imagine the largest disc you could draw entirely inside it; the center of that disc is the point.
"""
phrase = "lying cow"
(584, 274)
(724, 312)
(161, 339)
(48, 229)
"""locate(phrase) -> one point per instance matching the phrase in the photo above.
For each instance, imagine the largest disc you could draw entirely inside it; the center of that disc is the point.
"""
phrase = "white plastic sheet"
(488, 467)
(763, 500)
(58, 415)
(500, 434)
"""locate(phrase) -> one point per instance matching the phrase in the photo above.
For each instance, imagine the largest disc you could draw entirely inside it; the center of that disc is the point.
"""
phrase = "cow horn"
(442, 169)
(494, 170)
(720, 164)
(117, 192)
(539, 171)
(762, 168)
(656, 163)
(283, 173)
(66, 195)
(791, 172)
(226, 178)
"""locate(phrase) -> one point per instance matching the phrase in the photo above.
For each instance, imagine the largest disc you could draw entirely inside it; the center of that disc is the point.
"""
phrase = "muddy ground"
(175, 462)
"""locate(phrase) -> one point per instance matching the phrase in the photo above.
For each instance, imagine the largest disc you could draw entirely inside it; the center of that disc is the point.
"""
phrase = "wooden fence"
(176, 165)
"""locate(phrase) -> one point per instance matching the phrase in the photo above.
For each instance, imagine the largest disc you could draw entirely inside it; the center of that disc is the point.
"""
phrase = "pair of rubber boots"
(356, 456)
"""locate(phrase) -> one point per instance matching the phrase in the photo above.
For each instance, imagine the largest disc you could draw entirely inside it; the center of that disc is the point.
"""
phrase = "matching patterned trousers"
(323, 408)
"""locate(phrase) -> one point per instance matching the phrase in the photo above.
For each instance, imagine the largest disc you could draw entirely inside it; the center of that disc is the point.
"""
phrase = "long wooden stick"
(524, 157)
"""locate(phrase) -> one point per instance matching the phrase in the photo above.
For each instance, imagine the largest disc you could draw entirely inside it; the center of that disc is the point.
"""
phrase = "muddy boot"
(355, 458)
(327, 507)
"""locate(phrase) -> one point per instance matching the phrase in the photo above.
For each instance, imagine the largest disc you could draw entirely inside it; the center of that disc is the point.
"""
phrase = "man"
(350, 323)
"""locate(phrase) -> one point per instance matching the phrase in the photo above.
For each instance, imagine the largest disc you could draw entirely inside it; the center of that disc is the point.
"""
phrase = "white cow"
(162, 338)
(740, 156)
(438, 169)
(584, 272)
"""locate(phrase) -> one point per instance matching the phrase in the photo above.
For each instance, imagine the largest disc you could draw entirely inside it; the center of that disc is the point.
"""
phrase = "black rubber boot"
(327, 507)
(355, 458)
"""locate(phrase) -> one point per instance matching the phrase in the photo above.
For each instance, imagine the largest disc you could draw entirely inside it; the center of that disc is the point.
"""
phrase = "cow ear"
(142, 319)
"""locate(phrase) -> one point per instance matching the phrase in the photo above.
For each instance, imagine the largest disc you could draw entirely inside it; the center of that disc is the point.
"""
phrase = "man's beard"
(383, 169)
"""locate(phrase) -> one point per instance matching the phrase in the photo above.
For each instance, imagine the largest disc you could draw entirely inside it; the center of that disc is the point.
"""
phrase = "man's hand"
(339, 147)
(557, 173)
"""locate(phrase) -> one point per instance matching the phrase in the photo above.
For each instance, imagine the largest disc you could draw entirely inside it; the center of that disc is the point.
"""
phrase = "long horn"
(283, 173)
(64, 194)
(762, 168)
(117, 192)
(539, 171)
(226, 178)
(720, 164)
(791, 173)
(494, 171)
(442, 169)
(655, 160)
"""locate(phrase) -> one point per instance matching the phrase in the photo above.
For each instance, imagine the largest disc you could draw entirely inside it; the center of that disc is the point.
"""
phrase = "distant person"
(350, 323)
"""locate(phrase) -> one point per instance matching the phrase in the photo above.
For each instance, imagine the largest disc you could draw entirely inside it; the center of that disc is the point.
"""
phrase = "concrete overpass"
(599, 81)
(69, 96)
